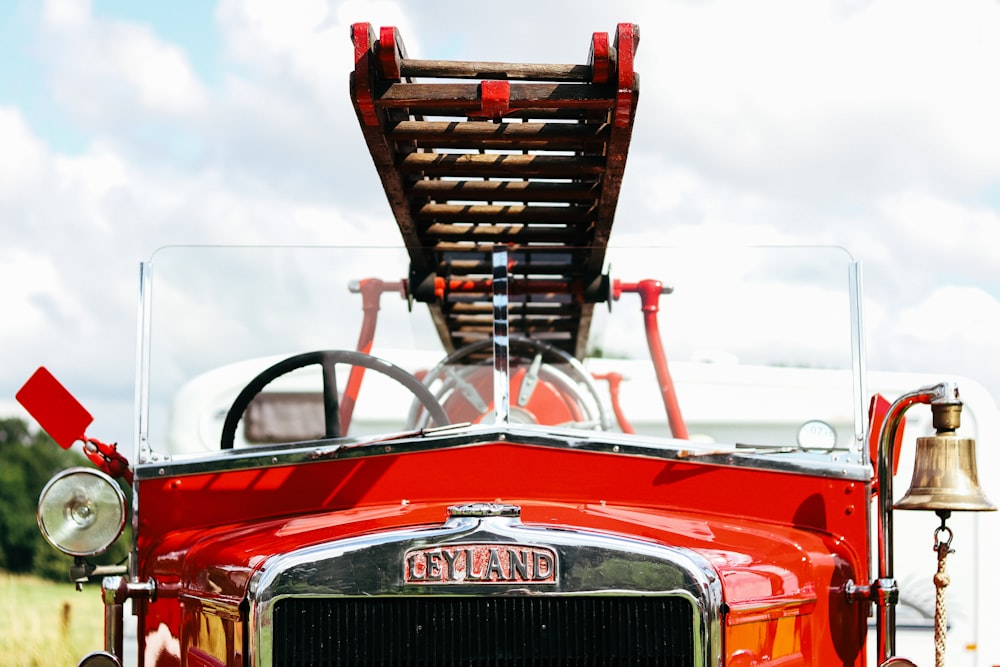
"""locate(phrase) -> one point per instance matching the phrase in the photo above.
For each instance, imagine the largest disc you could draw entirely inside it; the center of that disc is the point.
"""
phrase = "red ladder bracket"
(363, 38)
(600, 58)
(494, 100)
(626, 43)
(391, 53)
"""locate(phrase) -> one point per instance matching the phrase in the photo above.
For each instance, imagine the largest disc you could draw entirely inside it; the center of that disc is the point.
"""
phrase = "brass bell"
(944, 469)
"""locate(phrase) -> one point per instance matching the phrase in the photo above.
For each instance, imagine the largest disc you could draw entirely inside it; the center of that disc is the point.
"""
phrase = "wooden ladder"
(530, 157)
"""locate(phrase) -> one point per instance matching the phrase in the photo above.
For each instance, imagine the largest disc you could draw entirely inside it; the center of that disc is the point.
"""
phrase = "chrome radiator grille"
(564, 630)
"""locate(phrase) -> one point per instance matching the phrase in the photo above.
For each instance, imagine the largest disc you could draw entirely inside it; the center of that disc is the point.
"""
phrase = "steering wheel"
(328, 359)
(550, 386)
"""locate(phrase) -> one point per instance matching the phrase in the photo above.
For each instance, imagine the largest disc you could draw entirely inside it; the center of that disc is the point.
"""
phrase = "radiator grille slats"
(577, 630)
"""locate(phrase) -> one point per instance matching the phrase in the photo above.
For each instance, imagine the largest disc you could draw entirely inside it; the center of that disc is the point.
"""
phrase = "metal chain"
(941, 581)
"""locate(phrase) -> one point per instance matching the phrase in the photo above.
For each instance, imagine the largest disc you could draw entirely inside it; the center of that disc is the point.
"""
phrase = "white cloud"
(929, 322)
(283, 40)
(924, 240)
(300, 46)
(110, 73)
(953, 330)
(944, 226)
(66, 13)
(23, 160)
(34, 305)
(794, 99)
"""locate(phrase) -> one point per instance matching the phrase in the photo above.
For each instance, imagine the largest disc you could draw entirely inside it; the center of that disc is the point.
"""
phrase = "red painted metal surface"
(877, 411)
(782, 544)
(614, 381)
(501, 470)
(107, 458)
(371, 290)
(649, 292)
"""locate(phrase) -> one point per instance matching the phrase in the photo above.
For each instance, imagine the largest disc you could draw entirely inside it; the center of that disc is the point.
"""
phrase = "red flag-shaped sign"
(55, 409)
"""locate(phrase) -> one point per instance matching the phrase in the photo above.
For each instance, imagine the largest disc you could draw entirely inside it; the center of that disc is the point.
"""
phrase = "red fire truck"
(441, 452)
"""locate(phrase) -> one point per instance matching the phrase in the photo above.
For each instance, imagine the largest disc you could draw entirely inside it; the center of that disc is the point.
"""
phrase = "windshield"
(757, 342)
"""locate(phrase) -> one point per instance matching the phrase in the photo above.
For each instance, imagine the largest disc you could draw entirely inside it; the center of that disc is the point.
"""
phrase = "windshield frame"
(147, 452)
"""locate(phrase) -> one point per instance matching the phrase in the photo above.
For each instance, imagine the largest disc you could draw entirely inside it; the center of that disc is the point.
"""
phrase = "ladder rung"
(503, 214)
(480, 245)
(502, 233)
(512, 136)
(467, 69)
(501, 166)
(472, 267)
(562, 299)
(561, 339)
(530, 308)
(547, 323)
(522, 95)
(567, 325)
(516, 191)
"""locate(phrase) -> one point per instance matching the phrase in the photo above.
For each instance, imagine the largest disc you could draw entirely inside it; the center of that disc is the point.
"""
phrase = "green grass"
(45, 623)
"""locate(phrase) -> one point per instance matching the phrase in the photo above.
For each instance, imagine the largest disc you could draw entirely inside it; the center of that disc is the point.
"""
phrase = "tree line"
(28, 460)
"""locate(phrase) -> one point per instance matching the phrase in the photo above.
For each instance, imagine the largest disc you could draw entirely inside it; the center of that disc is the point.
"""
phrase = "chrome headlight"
(81, 512)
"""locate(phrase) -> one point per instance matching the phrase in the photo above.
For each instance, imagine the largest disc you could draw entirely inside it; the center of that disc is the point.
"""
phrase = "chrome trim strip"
(363, 567)
(501, 340)
(141, 451)
(755, 611)
(140, 444)
(859, 362)
(840, 465)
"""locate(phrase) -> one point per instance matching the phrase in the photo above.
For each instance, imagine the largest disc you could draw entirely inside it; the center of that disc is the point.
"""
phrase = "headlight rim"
(61, 476)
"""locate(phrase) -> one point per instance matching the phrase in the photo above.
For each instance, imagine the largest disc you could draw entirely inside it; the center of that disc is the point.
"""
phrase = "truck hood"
(759, 569)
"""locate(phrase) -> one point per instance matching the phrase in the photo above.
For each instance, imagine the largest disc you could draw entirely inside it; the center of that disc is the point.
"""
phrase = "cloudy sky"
(126, 126)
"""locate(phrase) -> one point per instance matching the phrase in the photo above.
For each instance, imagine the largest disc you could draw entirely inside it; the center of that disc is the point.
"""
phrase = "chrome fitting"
(885, 591)
(855, 593)
(115, 591)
